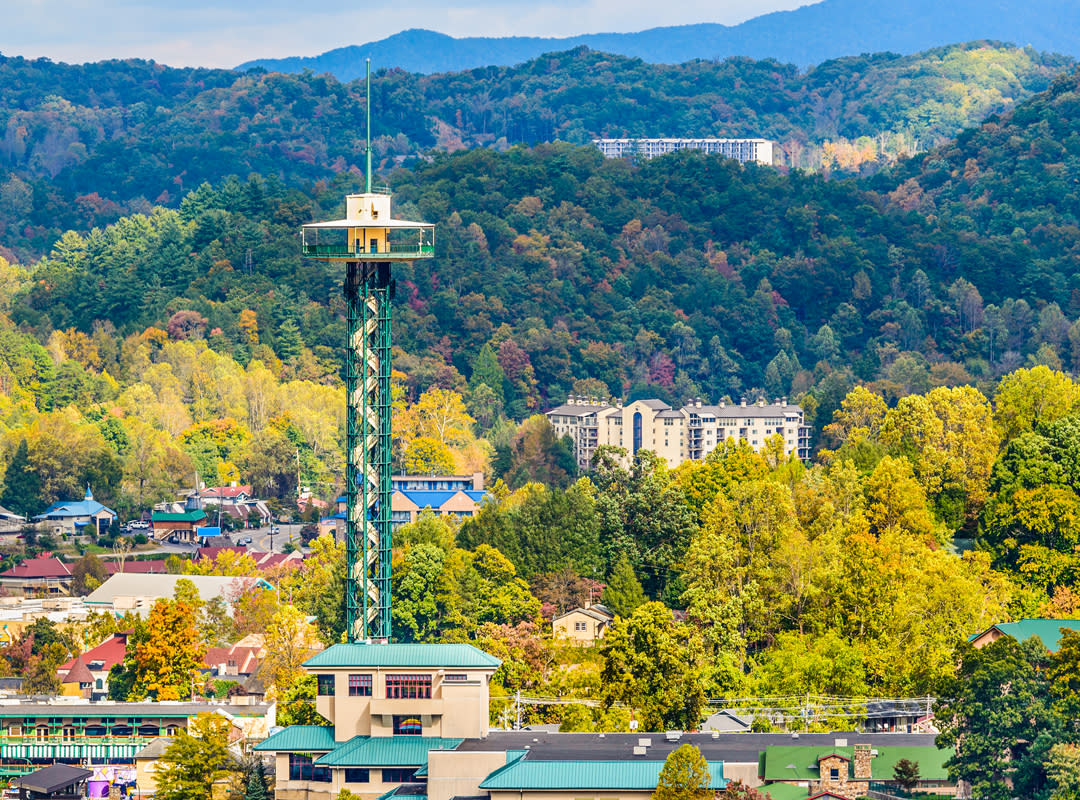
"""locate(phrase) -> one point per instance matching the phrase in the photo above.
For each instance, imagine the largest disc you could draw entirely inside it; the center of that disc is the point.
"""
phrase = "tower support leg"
(368, 451)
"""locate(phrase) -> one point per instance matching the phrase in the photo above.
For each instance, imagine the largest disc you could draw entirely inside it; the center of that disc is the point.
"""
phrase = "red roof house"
(45, 574)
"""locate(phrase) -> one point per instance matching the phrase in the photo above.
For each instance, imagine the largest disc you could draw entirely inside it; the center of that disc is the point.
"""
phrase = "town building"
(44, 575)
(678, 435)
(103, 735)
(745, 150)
(177, 526)
(1048, 630)
(583, 626)
(137, 593)
(796, 771)
(444, 495)
(77, 517)
(97, 661)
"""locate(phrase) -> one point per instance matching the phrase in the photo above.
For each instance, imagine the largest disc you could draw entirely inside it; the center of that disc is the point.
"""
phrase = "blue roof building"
(74, 516)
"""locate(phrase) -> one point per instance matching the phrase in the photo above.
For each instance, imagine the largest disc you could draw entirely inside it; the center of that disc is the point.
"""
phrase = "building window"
(325, 685)
(68, 734)
(409, 687)
(834, 774)
(398, 775)
(637, 432)
(357, 775)
(359, 686)
(301, 768)
(149, 730)
(580, 626)
(407, 726)
(455, 677)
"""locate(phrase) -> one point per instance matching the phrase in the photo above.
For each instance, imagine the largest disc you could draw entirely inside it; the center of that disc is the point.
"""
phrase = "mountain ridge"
(803, 36)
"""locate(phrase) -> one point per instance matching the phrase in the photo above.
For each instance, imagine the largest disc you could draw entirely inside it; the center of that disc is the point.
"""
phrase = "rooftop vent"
(644, 742)
(840, 742)
(639, 751)
(673, 736)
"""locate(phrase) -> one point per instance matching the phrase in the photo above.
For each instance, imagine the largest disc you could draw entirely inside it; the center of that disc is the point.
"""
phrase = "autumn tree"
(166, 662)
(684, 776)
(290, 639)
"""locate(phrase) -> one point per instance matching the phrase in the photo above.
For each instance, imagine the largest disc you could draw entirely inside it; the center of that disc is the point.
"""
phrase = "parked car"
(138, 525)
(244, 540)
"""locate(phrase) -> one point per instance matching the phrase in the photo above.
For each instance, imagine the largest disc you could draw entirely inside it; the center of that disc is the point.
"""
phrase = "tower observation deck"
(367, 242)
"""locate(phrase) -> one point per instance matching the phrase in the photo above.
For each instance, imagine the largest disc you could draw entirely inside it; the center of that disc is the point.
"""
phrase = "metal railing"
(343, 251)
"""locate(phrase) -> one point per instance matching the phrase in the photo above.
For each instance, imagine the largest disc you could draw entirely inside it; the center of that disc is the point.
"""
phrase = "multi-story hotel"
(744, 150)
(677, 435)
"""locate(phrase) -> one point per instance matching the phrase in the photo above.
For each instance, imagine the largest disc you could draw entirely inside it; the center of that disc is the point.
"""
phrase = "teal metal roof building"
(391, 656)
(386, 751)
(1048, 630)
(552, 776)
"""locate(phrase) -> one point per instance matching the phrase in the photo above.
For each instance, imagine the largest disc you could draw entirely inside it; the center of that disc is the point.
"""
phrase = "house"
(846, 771)
(10, 518)
(1048, 630)
(44, 575)
(77, 681)
(237, 661)
(406, 504)
(583, 626)
(176, 526)
(134, 592)
(75, 517)
(216, 495)
(97, 662)
(727, 721)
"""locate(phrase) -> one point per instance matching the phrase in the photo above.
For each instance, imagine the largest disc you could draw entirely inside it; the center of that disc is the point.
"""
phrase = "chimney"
(783, 401)
(861, 763)
(723, 404)
(697, 403)
(761, 402)
(742, 403)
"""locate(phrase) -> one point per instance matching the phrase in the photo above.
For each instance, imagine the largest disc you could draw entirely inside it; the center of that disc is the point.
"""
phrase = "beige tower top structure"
(368, 233)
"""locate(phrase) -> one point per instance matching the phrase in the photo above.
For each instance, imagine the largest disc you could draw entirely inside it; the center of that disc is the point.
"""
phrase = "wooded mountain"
(687, 275)
(83, 145)
(807, 35)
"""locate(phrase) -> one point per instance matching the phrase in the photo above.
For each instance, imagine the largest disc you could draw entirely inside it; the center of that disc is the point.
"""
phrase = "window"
(407, 726)
(357, 775)
(359, 686)
(637, 432)
(94, 730)
(149, 730)
(325, 685)
(398, 775)
(68, 733)
(42, 733)
(834, 774)
(580, 626)
(301, 768)
(408, 686)
(455, 677)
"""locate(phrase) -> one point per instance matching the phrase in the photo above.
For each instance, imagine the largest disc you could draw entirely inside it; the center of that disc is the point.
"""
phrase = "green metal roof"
(187, 516)
(394, 793)
(525, 775)
(386, 751)
(300, 739)
(785, 791)
(1048, 630)
(800, 762)
(428, 656)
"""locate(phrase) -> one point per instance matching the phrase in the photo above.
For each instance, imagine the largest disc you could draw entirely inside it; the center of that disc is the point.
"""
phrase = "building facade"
(689, 433)
(745, 150)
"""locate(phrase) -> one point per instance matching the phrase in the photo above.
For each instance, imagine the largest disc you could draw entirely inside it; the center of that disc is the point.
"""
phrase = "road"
(260, 539)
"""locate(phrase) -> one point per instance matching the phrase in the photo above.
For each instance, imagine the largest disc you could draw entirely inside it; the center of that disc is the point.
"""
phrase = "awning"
(52, 779)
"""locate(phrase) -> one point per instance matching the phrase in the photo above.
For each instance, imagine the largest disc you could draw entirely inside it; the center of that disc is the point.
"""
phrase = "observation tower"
(367, 243)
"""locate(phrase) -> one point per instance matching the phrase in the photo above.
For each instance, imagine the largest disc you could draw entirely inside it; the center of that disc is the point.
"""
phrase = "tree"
(906, 773)
(684, 776)
(996, 713)
(166, 662)
(623, 593)
(426, 455)
(257, 787)
(22, 486)
(653, 663)
(297, 705)
(1028, 397)
(197, 759)
(88, 573)
(289, 641)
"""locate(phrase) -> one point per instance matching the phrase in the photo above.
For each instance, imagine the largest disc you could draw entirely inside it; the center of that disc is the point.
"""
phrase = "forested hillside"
(84, 145)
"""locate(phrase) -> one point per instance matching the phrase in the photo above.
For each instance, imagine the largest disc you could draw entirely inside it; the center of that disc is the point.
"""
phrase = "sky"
(224, 33)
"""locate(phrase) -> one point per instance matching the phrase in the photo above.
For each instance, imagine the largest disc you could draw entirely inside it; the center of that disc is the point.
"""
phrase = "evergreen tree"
(257, 788)
(289, 343)
(22, 487)
(623, 593)
(906, 773)
(488, 371)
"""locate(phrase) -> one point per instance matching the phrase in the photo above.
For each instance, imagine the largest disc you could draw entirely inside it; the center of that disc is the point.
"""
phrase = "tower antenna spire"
(368, 173)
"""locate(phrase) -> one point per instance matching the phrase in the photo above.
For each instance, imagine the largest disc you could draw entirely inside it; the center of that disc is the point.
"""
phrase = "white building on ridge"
(744, 150)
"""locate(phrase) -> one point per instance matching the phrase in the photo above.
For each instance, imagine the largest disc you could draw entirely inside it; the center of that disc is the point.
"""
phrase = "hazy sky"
(227, 32)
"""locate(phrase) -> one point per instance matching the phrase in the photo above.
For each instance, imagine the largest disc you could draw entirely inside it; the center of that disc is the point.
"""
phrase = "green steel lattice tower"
(367, 242)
